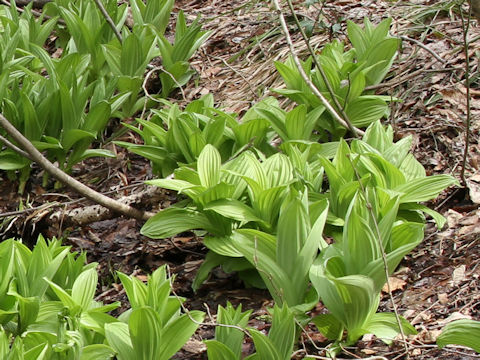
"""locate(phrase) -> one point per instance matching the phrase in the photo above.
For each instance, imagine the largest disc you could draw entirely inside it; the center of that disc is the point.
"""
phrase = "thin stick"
(109, 20)
(426, 48)
(15, 148)
(319, 66)
(66, 179)
(357, 132)
(466, 43)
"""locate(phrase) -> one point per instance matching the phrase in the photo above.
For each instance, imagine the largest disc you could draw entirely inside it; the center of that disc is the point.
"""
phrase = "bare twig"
(109, 20)
(68, 180)
(357, 132)
(14, 148)
(318, 65)
(424, 47)
(466, 28)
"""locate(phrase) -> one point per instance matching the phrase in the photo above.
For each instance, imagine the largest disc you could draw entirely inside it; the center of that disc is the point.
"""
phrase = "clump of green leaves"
(349, 73)
(278, 345)
(95, 78)
(173, 137)
(48, 311)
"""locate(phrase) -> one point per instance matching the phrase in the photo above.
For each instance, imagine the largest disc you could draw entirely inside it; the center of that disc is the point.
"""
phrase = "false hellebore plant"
(263, 213)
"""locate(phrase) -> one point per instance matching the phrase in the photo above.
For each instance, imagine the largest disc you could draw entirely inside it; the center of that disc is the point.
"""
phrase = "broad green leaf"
(72, 136)
(84, 288)
(439, 219)
(365, 110)
(385, 326)
(97, 352)
(233, 209)
(4, 344)
(146, 334)
(411, 168)
(38, 286)
(177, 332)
(132, 58)
(461, 332)
(176, 185)
(351, 299)
(360, 245)
(278, 170)
(208, 164)
(118, 338)
(172, 221)
(219, 351)
(424, 189)
(293, 229)
(265, 348)
(12, 161)
(282, 334)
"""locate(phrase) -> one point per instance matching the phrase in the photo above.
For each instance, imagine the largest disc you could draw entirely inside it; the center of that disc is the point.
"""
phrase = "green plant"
(461, 332)
(349, 73)
(376, 161)
(175, 56)
(153, 328)
(353, 268)
(244, 192)
(284, 260)
(172, 137)
(97, 77)
(278, 345)
(48, 311)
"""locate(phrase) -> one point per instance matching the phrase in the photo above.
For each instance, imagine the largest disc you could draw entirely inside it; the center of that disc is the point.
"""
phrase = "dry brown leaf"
(458, 275)
(395, 284)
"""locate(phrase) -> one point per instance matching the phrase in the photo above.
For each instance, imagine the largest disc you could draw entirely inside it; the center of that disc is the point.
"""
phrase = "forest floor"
(435, 284)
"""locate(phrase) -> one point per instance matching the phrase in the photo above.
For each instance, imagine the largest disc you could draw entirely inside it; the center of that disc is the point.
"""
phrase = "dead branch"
(66, 179)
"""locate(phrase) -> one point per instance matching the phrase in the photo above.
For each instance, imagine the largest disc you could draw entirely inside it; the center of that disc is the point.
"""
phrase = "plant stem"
(357, 132)
(66, 179)
(466, 43)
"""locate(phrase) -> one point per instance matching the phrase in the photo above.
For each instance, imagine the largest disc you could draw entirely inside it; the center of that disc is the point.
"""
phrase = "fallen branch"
(88, 214)
(66, 179)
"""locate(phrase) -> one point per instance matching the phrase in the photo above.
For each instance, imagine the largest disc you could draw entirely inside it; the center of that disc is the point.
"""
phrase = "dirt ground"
(435, 284)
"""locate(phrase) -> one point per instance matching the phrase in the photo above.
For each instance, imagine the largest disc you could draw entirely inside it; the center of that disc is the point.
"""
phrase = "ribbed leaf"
(118, 338)
(208, 164)
(219, 351)
(176, 334)
(172, 221)
(84, 288)
(461, 332)
(424, 189)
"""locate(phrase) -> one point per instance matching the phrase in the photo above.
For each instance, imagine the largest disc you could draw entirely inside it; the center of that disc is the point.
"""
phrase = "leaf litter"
(435, 284)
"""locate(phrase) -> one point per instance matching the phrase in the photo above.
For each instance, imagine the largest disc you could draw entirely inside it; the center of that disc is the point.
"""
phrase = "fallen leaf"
(458, 275)
(395, 284)
(454, 316)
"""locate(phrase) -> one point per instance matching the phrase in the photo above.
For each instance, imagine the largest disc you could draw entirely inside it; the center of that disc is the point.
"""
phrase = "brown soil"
(436, 283)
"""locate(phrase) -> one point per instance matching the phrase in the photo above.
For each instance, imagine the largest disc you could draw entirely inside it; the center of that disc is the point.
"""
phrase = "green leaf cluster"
(349, 73)
(278, 345)
(63, 102)
(48, 311)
